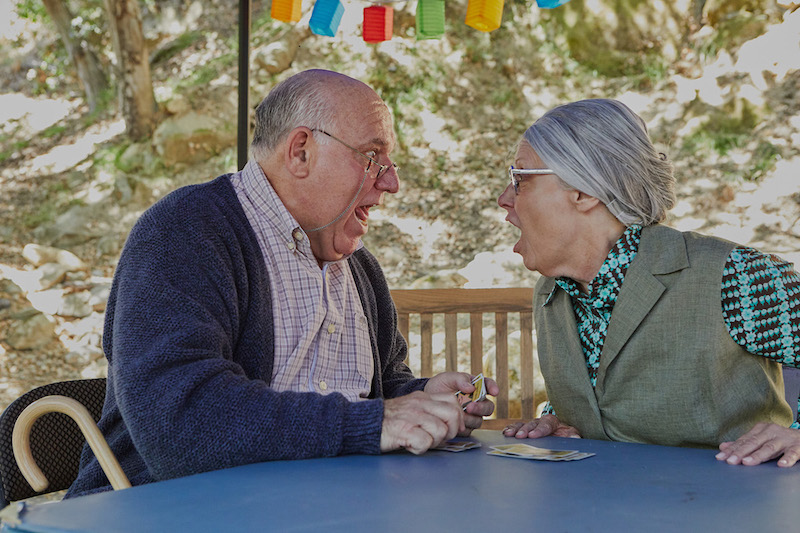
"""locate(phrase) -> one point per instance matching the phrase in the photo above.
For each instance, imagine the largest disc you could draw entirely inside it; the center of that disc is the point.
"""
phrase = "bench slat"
(501, 362)
(462, 300)
(475, 302)
(451, 342)
(426, 344)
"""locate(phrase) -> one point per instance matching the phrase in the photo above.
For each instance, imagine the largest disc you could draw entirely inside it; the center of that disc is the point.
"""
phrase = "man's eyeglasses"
(514, 173)
(370, 160)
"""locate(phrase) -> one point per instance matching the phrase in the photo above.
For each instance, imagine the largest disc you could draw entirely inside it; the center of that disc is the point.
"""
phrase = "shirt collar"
(605, 286)
(275, 213)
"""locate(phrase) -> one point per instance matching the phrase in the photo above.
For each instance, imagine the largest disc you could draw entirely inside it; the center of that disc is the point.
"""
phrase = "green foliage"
(31, 9)
(210, 71)
(104, 102)
(731, 32)
(724, 130)
(176, 46)
(54, 130)
(764, 158)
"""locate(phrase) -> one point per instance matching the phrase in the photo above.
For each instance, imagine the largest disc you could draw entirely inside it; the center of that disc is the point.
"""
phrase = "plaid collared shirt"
(322, 341)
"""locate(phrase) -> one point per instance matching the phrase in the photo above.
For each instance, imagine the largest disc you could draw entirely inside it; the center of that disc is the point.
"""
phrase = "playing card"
(480, 388)
(526, 451)
(457, 446)
(477, 395)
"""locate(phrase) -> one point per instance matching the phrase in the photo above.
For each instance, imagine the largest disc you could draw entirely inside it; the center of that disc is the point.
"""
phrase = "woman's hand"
(541, 427)
(763, 443)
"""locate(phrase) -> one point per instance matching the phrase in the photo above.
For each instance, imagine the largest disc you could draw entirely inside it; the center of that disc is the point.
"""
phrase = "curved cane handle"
(21, 441)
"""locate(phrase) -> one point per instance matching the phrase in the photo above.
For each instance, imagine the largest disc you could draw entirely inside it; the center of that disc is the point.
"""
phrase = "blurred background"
(88, 141)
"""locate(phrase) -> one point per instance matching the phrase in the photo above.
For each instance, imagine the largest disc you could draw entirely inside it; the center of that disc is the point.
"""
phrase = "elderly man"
(248, 323)
(645, 333)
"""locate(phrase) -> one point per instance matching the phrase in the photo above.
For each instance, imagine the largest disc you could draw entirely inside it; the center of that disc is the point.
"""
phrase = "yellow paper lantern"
(484, 15)
(286, 10)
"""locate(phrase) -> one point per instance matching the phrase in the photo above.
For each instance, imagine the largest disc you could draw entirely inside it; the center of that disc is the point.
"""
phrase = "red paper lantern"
(378, 23)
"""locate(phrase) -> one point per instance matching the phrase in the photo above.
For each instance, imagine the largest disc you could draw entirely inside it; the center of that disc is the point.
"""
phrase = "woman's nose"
(506, 199)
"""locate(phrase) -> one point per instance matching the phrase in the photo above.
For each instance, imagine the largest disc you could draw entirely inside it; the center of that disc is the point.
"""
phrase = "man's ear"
(583, 202)
(297, 151)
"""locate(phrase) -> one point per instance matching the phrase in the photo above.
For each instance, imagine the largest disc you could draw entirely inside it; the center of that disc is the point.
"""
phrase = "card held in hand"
(477, 395)
(480, 388)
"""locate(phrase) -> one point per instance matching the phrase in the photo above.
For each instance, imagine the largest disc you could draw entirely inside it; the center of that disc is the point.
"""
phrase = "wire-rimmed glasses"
(371, 161)
(513, 174)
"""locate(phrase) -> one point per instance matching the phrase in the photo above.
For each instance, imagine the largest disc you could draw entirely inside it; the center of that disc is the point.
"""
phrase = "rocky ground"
(72, 187)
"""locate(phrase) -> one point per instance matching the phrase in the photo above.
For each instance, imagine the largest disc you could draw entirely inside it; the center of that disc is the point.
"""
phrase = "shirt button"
(297, 234)
(323, 385)
(331, 328)
(290, 245)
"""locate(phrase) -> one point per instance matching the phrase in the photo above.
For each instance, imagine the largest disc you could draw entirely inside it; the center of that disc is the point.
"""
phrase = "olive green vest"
(669, 371)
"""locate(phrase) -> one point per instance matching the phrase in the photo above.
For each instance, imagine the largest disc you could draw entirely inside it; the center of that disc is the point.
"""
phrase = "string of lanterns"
(377, 26)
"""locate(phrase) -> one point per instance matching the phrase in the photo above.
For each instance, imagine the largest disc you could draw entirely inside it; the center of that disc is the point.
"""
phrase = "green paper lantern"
(430, 19)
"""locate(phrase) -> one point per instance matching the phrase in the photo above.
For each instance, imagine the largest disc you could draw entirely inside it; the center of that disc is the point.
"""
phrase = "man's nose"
(389, 181)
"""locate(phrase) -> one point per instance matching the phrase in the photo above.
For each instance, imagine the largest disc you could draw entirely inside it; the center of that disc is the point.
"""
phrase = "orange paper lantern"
(378, 23)
(484, 15)
(286, 10)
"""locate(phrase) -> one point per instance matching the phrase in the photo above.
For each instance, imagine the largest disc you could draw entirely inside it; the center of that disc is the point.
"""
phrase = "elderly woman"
(645, 333)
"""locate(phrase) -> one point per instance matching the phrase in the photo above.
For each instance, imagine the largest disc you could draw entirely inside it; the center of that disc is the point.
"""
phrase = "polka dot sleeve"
(761, 305)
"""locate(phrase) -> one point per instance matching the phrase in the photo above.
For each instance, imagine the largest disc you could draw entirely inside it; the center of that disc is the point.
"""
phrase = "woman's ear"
(583, 202)
(297, 154)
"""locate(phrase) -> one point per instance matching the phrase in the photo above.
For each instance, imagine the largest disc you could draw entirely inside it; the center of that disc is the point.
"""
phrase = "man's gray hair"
(601, 147)
(304, 99)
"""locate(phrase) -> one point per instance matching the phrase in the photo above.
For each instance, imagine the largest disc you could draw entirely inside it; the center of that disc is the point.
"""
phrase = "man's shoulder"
(199, 196)
(210, 202)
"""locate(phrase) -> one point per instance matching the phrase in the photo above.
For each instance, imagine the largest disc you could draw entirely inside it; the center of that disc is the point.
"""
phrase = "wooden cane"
(21, 441)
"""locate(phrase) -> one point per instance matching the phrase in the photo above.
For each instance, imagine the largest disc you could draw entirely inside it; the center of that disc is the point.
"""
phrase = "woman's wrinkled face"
(543, 213)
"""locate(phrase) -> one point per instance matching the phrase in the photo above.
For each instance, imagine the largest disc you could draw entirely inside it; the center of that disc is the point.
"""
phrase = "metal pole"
(243, 126)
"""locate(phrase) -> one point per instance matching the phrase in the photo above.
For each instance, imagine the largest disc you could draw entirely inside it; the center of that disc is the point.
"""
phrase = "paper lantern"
(430, 19)
(286, 10)
(325, 17)
(484, 15)
(550, 4)
(378, 23)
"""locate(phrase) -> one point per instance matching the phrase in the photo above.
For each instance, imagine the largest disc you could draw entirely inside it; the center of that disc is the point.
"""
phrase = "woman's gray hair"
(304, 99)
(601, 147)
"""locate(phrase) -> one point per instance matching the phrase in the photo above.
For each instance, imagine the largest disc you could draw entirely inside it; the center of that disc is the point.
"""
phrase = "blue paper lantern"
(325, 17)
(550, 4)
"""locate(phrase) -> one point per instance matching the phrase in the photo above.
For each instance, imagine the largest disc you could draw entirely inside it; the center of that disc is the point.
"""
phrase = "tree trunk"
(135, 85)
(90, 74)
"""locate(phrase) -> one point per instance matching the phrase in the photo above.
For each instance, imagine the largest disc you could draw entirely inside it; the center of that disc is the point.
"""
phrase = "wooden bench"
(475, 302)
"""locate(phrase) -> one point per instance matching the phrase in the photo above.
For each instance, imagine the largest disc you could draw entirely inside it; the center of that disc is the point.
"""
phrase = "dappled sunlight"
(775, 53)
(423, 232)
(31, 115)
(66, 156)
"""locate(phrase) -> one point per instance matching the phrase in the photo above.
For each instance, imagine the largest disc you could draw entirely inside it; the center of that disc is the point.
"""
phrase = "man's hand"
(541, 427)
(762, 443)
(453, 382)
(419, 421)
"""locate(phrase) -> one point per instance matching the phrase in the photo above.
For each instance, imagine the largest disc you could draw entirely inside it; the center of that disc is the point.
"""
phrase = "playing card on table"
(457, 446)
(526, 451)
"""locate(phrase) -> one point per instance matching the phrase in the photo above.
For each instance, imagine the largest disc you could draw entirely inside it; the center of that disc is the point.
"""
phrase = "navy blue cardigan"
(189, 342)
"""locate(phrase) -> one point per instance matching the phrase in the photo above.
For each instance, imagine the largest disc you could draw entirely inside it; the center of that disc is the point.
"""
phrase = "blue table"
(625, 487)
